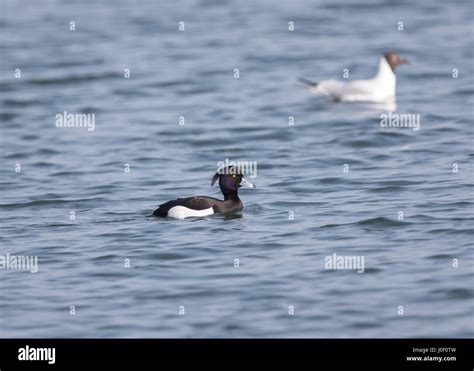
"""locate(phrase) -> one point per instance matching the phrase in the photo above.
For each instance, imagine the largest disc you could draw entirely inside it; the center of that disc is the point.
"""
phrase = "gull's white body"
(182, 212)
(379, 89)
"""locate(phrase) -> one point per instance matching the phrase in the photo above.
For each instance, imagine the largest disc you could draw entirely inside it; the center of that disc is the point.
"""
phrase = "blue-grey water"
(400, 198)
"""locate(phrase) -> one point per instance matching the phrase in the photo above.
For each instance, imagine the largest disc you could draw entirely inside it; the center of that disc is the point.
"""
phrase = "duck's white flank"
(181, 212)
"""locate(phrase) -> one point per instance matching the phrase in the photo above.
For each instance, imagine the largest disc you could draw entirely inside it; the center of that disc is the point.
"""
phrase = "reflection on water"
(232, 216)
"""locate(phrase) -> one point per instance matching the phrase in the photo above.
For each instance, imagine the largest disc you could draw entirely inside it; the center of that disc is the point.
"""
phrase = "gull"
(379, 89)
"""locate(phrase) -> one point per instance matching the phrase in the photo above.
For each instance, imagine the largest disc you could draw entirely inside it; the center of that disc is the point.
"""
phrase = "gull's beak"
(245, 183)
(403, 61)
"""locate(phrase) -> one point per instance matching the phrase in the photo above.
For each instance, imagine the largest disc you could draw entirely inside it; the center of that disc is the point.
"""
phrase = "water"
(190, 263)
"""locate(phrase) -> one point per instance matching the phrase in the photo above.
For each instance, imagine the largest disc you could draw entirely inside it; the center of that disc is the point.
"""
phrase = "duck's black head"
(230, 180)
(394, 60)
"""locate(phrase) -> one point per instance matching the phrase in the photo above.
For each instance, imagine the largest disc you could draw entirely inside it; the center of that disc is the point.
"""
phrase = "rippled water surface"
(190, 264)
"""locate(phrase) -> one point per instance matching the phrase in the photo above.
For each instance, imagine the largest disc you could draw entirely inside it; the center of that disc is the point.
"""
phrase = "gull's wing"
(342, 90)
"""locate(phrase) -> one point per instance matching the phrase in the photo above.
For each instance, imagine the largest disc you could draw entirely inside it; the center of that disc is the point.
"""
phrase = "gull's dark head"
(394, 60)
(230, 179)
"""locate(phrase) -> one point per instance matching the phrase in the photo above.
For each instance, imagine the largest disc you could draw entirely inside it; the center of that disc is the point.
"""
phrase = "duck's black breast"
(228, 206)
(194, 203)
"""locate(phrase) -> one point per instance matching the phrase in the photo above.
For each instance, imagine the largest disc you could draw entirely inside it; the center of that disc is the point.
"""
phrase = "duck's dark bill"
(246, 184)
